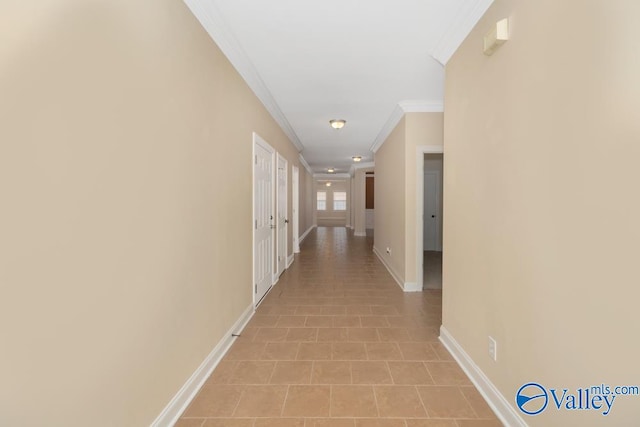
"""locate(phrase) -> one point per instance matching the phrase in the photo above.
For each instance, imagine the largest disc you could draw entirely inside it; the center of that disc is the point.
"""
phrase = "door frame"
(295, 202)
(281, 160)
(257, 140)
(421, 150)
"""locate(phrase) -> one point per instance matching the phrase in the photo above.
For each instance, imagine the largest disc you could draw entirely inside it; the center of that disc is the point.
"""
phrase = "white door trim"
(281, 162)
(295, 194)
(257, 140)
(421, 150)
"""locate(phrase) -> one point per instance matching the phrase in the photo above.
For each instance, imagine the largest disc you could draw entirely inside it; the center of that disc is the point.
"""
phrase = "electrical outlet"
(493, 349)
(389, 251)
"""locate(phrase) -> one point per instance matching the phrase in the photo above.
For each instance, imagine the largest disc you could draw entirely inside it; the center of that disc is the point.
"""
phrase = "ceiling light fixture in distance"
(328, 184)
(331, 170)
(337, 123)
(356, 158)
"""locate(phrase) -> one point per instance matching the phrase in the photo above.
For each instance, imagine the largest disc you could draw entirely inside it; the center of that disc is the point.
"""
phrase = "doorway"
(281, 217)
(432, 215)
(263, 216)
(429, 218)
(295, 194)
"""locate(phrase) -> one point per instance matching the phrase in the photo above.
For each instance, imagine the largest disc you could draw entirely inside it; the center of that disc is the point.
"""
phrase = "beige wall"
(389, 223)
(125, 254)
(422, 129)
(306, 206)
(396, 168)
(541, 184)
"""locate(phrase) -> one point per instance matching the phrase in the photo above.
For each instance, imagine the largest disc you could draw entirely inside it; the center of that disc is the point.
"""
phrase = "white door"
(295, 187)
(282, 221)
(431, 209)
(263, 208)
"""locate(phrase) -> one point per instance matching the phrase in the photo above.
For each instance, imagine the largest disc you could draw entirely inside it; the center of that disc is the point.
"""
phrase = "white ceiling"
(362, 61)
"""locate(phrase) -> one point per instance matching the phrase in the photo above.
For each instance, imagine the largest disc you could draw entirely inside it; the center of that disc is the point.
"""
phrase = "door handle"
(433, 216)
(286, 221)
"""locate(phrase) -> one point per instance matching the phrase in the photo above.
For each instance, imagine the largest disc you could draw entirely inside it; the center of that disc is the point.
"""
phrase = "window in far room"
(322, 200)
(339, 201)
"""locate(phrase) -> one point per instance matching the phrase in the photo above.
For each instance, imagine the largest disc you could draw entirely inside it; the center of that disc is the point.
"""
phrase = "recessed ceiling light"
(356, 158)
(337, 123)
(331, 170)
(328, 184)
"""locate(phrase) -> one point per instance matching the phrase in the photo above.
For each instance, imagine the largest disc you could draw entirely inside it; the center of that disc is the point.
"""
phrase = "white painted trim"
(356, 166)
(290, 260)
(421, 150)
(389, 126)
(398, 112)
(170, 414)
(306, 233)
(390, 269)
(295, 207)
(281, 161)
(470, 13)
(304, 163)
(257, 139)
(412, 287)
(360, 234)
(213, 22)
(498, 403)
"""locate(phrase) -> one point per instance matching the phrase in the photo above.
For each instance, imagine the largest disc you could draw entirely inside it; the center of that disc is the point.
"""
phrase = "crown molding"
(470, 13)
(211, 19)
(390, 124)
(304, 163)
(367, 165)
(398, 112)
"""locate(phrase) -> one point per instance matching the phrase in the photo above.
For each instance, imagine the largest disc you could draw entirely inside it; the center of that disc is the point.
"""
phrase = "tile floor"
(336, 343)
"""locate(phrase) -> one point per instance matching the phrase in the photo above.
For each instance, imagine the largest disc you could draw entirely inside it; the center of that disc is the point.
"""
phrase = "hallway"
(336, 343)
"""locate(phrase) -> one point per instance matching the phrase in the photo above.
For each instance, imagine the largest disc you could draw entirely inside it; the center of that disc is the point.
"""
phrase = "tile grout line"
(284, 402)
(426, 411)
(433, 380)
(464, 396)
(375, 398)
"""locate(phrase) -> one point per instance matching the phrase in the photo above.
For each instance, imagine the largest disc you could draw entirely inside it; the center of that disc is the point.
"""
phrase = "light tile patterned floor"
(337, 344)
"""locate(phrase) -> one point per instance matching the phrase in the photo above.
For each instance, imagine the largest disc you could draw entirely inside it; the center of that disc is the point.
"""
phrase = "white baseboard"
(412, 287)
(290, 260)
(390, 269)
(305, 234)
(360, 234)
(170, 414)
(503, 410)
(405, 286)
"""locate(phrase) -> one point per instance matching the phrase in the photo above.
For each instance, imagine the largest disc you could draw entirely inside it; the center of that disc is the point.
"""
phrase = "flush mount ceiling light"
(356, 158)
(331, 170)
(328, 184)
(337, 123)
